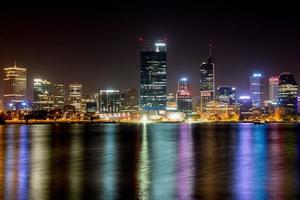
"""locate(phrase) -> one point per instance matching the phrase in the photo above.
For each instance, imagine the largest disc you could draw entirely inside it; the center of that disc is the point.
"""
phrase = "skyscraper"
(14, 87)
(153, 76)
(75, 93)
(256, 90)
(59, 96)
(288, 90)
(226, 94)
(129, 100)
(273, 88)
(109, 101)
(245, 106)
(207, 81)
(184, 99)
(42, 95)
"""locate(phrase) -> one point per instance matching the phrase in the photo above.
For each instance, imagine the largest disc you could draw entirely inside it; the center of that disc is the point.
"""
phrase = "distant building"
(288, 91)
(184, 98)
(245, 106)
(171, 102)
(59, 96)
(110, 101)
(256, 90)
(75, 94)
(298, 105)
(207, 82)
(226, 94)
(14, 86)
(273, 88)
(129, 100)
(42, 95)
(153, 76)
(196, 104)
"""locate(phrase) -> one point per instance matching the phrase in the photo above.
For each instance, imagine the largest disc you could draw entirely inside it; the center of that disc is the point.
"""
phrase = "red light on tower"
(141, 39)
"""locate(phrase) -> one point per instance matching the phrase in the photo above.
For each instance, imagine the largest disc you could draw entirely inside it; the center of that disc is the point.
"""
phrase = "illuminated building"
(88, 104)
(226, 94)
(129, 100)
(75, 93)
(42, 95)
(59, 96)
(288, 90)
(273, 88)
(196, 104)
(184, 100)
(171, 102)
(207, 82)
(298, 104)
(245, 106)
(256, 90)
(110, 101)
(153, 76)
(14, 86)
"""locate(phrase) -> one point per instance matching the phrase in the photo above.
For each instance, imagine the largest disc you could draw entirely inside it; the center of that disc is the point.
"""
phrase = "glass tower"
(226, 94)
(42, 95)
(207, 82)
(153, 76)
(184, 100)
(75, 94)
(110, 101)
(59, 96)
(256, 90)
(273, 88)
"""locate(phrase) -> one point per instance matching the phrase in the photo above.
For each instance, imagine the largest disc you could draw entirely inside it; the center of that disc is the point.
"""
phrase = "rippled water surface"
(153, 161)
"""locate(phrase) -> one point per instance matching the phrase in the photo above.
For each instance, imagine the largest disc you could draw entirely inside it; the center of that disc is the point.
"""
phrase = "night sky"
(96, 44)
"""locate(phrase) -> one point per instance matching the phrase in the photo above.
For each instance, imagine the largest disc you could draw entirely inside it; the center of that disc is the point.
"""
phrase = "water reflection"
(150, 161)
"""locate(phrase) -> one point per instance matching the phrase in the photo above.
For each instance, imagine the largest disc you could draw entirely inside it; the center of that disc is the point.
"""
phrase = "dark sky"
(96, 43)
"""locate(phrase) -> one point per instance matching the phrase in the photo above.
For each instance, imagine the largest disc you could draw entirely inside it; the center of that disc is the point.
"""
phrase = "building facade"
(129, 100)
(59, 96)
(184, 97)
(110, 101)
(273, 88)
(245, 107)
(42, 95)
(207, 82)
(256, 90)
(75, 94)
(226, 94)
(153, 76)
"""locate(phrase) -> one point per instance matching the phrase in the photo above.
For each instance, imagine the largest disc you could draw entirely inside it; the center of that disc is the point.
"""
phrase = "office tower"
(153, 76)
(245, 106)
(226, 94)
(184, 99)
(14, 86)
(75, 93)
(129, 100)
(256, 90)
(288, 90)
(196, 104)
(59, 96)
(273, 88)
(42, 95)
(110, 101)
(207, 81)
(171, 102)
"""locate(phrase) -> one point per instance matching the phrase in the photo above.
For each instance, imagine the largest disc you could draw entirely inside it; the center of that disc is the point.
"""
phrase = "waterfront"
(149, 161)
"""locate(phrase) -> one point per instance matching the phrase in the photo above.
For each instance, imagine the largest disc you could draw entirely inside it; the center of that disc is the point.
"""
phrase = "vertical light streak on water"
(298, 160)
(11, 178)
(40, 159)
(143, 167)
(2, 160)
(163, 160)
(275, 176)
(23, 163)
(243, 164)
(184, 180)
(109, 162)
(259, 162)
(75, 171)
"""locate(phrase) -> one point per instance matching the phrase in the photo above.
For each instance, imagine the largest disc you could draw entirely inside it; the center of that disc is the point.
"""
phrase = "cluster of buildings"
(152, 101)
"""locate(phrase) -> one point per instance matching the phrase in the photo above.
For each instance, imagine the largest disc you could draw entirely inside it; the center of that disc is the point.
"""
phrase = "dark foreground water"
(154, 161)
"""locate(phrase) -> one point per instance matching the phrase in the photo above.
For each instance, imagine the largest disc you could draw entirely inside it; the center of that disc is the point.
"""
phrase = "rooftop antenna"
(15, 64)
(210, 48)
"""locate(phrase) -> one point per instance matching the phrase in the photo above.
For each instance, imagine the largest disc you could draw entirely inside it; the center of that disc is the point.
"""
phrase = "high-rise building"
(273, 88)
(245, 106)
(256, 90)
(75, 93)
(288, 91)
(226, 94)
(171, 102)
(42, 95)
(207, 82)
(184, 98)
(129, 100)
(14, 87)
(110, 101)
(153, 76)
(59, 96)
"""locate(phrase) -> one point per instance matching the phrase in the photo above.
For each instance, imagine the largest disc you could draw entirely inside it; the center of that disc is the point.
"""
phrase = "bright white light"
(256, 75)
(160, 44)
(244, 97)
(24, 104)
(183, 79)
(144, 119)
(233, 88)
(10, 105)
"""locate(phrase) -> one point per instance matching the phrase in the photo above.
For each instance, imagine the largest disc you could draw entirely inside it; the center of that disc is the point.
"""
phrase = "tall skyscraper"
(226, 94)
(207, 81)
(153, 76)
(184, 98)
(245, 106)
(14, 87)
(129, 100)
(288, 90)
(42, 95)
(59, 96)
(273, 88)
(110, 101)
(256, 90)
(75, 93)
